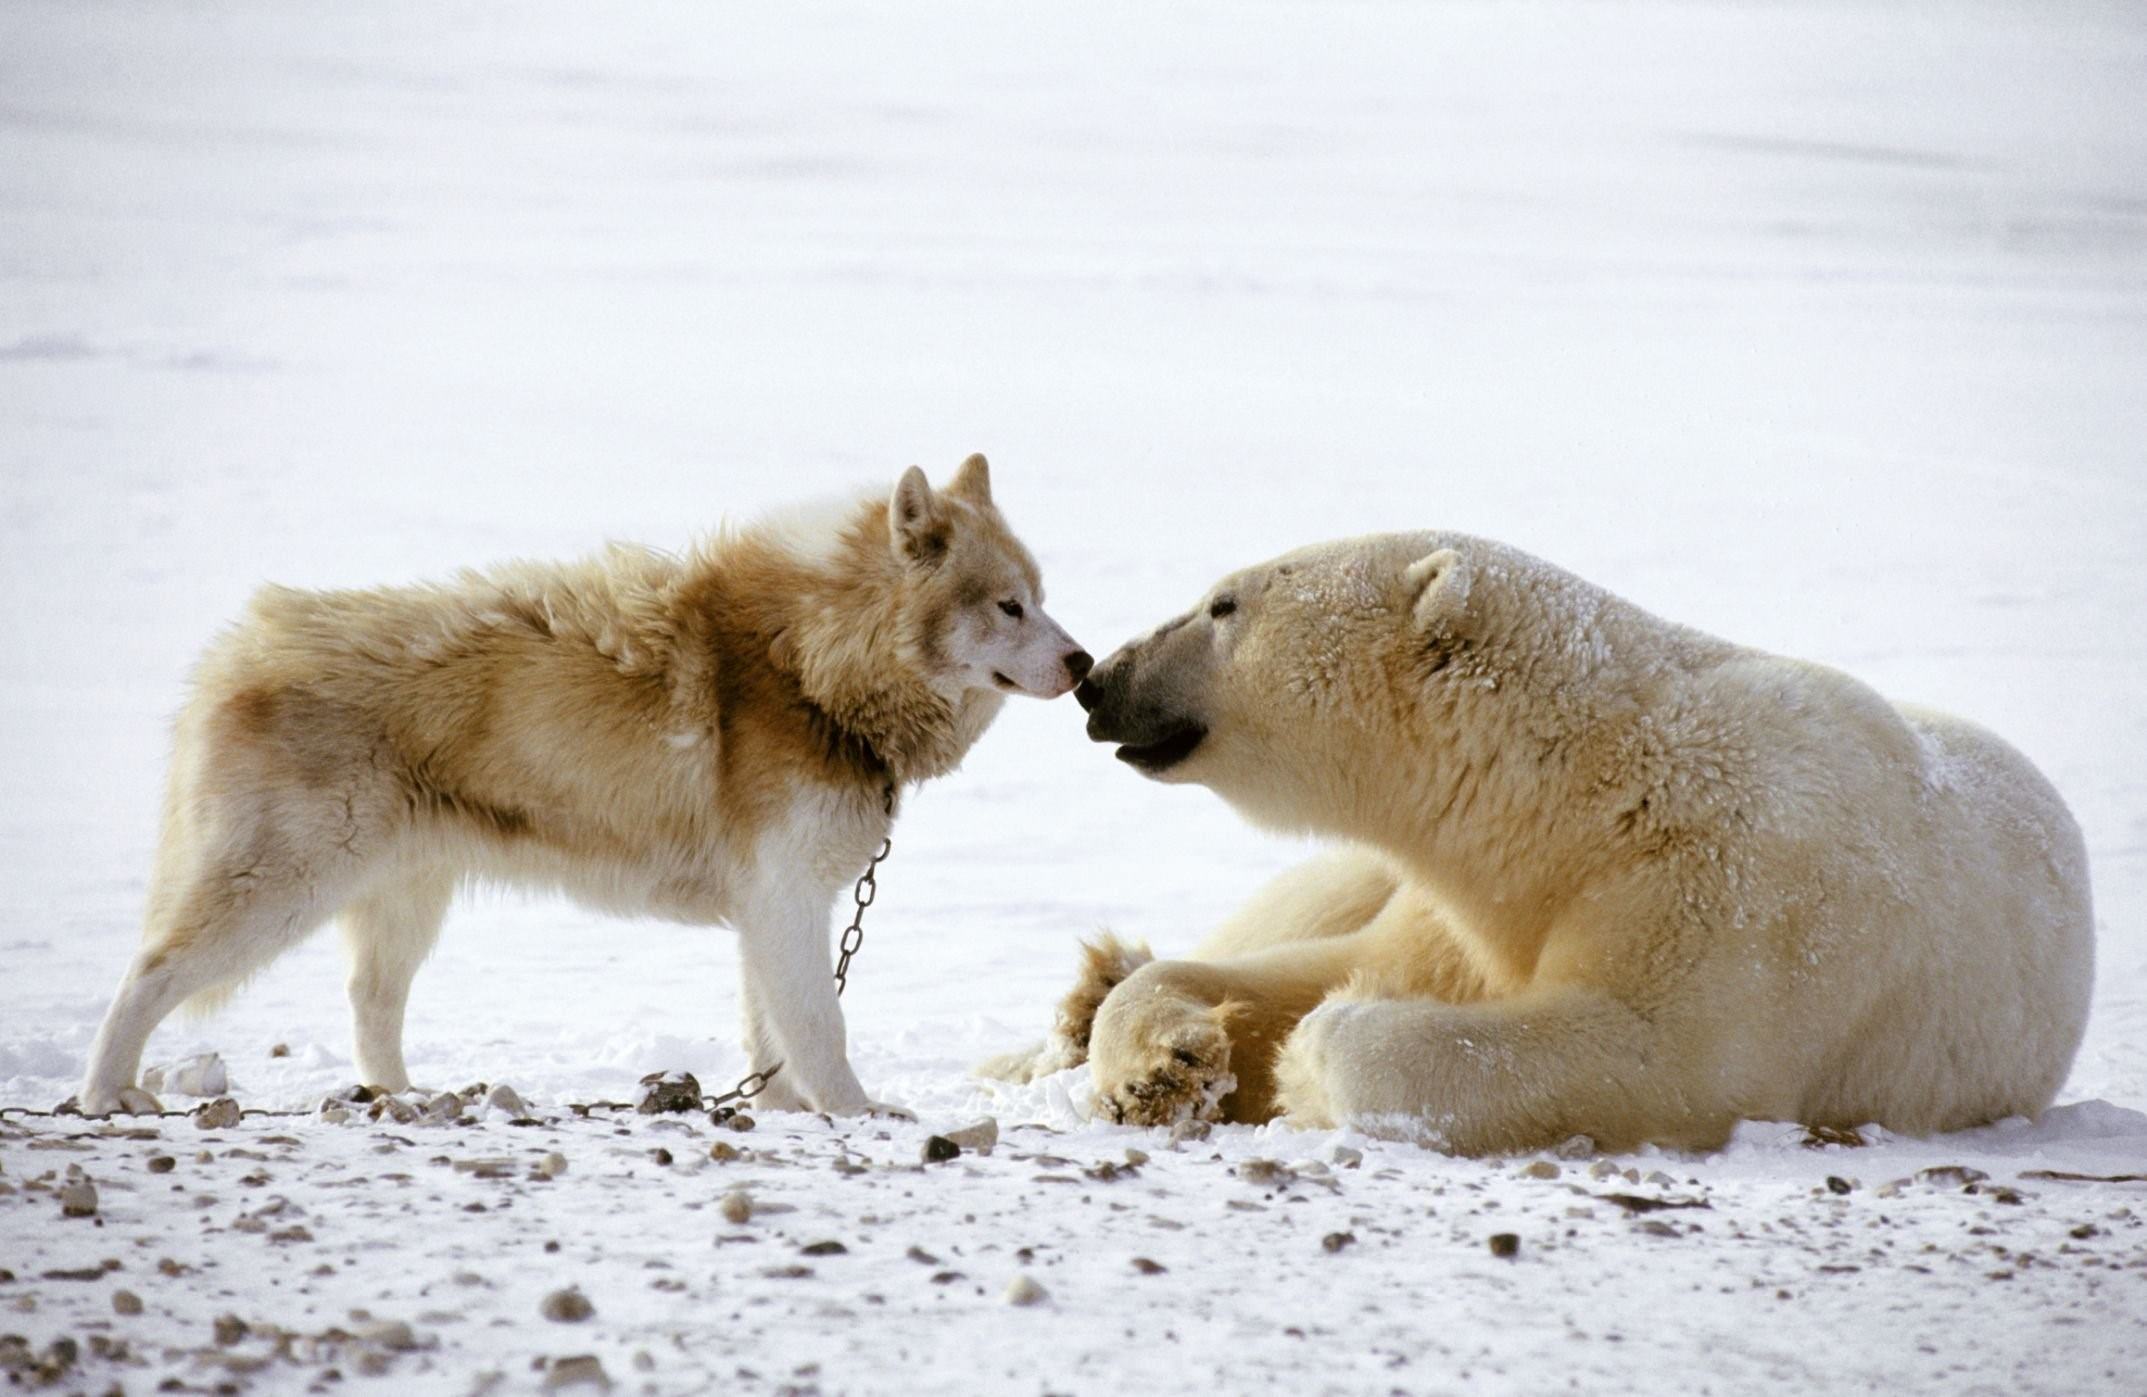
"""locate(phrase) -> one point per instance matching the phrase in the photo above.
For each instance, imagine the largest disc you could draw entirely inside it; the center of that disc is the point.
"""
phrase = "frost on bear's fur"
(1602, 874)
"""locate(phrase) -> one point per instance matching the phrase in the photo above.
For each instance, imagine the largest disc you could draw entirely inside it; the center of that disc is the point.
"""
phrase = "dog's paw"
(1169, 1063)
(127, 1101)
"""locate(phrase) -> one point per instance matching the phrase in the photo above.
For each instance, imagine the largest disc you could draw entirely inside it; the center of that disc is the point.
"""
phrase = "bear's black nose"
(1078, 664)
(1088, 696)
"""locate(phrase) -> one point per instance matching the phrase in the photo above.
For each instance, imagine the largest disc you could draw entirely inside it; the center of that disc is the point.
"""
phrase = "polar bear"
(1603, 875)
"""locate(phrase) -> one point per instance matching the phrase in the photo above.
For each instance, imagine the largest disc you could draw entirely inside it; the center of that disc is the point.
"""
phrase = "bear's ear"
(972, 482)
(917, 522)
(1438, 586)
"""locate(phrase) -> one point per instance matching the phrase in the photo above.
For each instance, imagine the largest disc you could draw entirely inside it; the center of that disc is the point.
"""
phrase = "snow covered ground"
(1822, 326)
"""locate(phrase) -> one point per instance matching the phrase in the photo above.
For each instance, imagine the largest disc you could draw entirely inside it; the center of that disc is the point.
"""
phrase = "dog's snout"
(1078, 664)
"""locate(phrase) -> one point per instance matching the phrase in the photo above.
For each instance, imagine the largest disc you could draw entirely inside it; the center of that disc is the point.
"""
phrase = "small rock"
(126, 1302)
(1346, 1157)
(390, 1334)
(333, 1113)
(1148, 1268)
(578, 1370)
(827, 1248)
(669, 1091)
(551, 1166)
(220, 1114)
(1335, 1241)
(229, 1329)
(1576, 1147)
(1135, 1158)
(201, 1075)
(1950, 1176)
(1263, 1171)
(280, 1050)
(938, 1149)
(737, 1207)
(1837, 1184)
(392, 1108)
(740, 1122)
(1603, 1169)
(1506, 1245)
(445, 1107)
(1540, 1169)
(1657, 1177)
(506, 1100)
(1025, 1291)
(567, 1306)
(162, 1164)
(723, 1152)
(1182, 1131)
(78, 1196)
(978, 1138)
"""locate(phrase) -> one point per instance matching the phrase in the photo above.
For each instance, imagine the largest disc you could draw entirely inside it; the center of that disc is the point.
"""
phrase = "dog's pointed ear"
(917, 522)
(972, 481)
(1438, 585)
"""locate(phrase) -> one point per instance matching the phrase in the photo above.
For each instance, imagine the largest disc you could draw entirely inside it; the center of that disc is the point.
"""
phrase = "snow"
(1819, 327)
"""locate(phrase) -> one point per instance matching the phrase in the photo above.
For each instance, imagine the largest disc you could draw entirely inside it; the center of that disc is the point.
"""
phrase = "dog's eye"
(1222, 607)
(1011, 608)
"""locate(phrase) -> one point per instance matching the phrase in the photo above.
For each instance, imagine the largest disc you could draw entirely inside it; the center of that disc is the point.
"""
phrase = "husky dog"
(718, 738)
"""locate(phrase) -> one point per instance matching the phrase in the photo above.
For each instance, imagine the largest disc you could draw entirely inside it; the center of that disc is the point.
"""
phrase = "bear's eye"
(1222, 607)
(1011, 608)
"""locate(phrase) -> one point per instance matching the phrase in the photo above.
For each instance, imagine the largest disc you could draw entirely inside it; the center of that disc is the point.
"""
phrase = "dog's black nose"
(1078, 664)
(1088, 696)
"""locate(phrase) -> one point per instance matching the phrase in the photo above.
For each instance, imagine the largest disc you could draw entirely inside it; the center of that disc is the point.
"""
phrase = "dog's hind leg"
(228, 922)
(388, 932)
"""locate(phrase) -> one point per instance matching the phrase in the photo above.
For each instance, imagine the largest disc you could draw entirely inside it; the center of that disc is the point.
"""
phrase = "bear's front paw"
(1175, 1066)
(1105, 964)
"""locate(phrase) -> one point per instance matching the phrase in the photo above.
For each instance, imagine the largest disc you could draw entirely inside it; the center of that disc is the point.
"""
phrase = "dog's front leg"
(790, 982)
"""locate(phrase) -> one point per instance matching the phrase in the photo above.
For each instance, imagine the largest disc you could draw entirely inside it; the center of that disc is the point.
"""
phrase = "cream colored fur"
(710, 739)
(1607, 876)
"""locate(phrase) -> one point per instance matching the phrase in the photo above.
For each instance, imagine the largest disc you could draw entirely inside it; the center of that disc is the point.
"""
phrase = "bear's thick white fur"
(1608, 876)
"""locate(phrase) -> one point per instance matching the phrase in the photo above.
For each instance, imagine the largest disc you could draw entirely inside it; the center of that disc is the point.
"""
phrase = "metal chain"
(749, 1086)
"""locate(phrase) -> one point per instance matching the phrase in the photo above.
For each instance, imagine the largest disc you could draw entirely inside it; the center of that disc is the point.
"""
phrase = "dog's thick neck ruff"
(839, 636)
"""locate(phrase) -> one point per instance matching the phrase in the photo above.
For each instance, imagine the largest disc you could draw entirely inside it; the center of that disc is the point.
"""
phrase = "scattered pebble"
(1335, 1241)
(567, 1306)
(391, 1334)
(551, 1166)
(577, 1370)
(1148, 1268)
(977, 1138)
(507, 1101)
(1025, 1291)
(126, 1302)
(1346, 1157)
(740, 1122)
(737, 1207)
(938, 1149)
(220, 1114)
(1506, 1245)
(1837, 1184)
(229, 1329)
(827, 1248)
(78, 1196)
(668, 1091)
(1576, 1147)
(1263, 1171)
(1540, 1169)
(1950, 1176)
(723, 1152)
(280, 1050)
(162, 1164)
(201, 1075)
